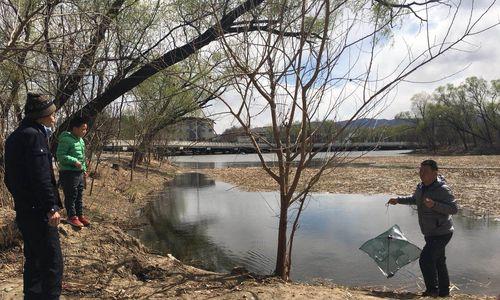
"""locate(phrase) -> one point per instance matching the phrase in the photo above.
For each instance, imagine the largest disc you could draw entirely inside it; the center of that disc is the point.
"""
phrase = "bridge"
(204, 147)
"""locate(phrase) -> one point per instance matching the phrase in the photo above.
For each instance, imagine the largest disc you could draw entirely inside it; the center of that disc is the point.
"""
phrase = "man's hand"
(429, 202)
(393, 201)
(78, 165)
(54, 218)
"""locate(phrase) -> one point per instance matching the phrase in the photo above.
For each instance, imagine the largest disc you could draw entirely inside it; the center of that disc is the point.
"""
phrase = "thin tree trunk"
(132, 166)
(281, 268)
(98, 160)
(487, 128)
(474, 140)
(137, 157)
(148, 162)
(464, 141)
(292, 235)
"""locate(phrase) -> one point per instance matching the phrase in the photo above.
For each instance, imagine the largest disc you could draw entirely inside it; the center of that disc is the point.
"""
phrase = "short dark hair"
(431, 163)
(77, 122)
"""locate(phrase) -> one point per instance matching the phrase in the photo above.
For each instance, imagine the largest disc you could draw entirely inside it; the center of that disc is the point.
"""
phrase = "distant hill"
(373, 123)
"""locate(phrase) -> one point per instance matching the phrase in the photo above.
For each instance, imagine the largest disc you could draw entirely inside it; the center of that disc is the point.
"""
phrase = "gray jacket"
(437, 219)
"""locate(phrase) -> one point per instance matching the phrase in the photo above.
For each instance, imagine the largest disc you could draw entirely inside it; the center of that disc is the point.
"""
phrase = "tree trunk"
(143, 147)
(466, 148)
(474, 141)
(3, 190)
(281, 267)
(292, 235)
(137, 158)
(148, 163)
(463, 137)
(487, 128)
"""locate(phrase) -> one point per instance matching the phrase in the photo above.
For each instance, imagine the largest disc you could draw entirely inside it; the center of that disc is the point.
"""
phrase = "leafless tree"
(302, 61)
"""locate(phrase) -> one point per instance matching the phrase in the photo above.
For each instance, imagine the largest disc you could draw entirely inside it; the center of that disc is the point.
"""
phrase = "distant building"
(191, 129)
(238, 135)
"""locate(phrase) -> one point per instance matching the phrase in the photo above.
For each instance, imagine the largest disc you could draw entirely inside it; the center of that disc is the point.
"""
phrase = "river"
(215, 226)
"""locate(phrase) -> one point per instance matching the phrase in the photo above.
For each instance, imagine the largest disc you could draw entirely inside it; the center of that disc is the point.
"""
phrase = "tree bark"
(281, 255)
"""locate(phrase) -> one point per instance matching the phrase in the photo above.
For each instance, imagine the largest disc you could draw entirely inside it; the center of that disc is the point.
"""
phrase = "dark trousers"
(72, 184)
(433, 264)
(43, 265)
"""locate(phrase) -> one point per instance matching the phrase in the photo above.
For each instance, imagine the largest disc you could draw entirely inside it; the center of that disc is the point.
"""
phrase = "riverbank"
(475, 180)
(104, 262)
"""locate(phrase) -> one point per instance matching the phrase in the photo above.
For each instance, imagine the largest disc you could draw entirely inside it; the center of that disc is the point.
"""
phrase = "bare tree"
(482, 97)
(307, 61)
(466, 114)
(16, 22)
(136, 70)
(168, 98)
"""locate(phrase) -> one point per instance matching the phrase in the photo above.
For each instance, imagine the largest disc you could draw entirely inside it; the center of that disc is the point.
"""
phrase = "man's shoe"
(75, 222)
(433, 294)
(84, 221)
(444, 295)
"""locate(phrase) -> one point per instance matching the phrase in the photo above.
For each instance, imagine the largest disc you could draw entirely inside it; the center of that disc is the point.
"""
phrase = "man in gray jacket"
(435, 205)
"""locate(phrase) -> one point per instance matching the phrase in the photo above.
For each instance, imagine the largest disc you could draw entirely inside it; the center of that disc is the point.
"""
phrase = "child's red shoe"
(84, 221)
(75, 222)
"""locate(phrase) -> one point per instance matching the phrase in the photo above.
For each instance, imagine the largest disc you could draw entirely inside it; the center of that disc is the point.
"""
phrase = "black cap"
(38, 106)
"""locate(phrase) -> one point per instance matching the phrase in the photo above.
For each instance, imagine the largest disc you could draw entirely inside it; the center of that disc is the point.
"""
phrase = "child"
(72, 169)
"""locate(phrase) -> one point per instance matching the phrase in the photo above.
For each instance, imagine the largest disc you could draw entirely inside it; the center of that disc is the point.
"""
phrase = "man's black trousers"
(433, 264)
(43, 265)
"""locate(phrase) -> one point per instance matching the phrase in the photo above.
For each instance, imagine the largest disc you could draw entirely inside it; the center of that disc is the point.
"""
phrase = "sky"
(478, 56)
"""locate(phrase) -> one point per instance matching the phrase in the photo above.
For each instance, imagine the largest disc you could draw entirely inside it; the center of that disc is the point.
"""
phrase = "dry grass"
(475, 180)
(115, 196)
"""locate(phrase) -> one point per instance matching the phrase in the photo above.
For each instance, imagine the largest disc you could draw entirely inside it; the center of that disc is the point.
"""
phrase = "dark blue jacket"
(29, 175)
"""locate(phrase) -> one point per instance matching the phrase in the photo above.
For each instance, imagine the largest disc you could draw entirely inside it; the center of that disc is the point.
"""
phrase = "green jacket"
(70, 150)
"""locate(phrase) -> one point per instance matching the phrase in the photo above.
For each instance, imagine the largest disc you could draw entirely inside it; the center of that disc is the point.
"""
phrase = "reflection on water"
(215, 226)
(192, 180)
(252, 160)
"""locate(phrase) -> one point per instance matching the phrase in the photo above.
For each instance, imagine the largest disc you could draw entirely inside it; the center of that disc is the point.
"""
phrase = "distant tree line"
(464, 117)
(363, 131)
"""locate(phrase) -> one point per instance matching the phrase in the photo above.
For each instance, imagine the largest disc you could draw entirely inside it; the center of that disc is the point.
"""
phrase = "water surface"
(215, 226)
(252, 160)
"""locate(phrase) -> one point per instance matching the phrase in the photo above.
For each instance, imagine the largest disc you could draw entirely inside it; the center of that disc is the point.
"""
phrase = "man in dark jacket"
(435, 205)
(29, 177)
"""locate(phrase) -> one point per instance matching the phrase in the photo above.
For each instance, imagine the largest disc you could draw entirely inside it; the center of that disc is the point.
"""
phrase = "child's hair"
(431, 163)
(77, 122)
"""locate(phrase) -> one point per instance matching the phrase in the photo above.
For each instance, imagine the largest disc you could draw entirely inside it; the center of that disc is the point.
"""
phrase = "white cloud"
(478, 56)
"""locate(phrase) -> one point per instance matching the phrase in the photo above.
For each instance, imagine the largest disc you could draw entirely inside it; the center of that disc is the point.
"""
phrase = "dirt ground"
(475, 180)
(104, 262)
